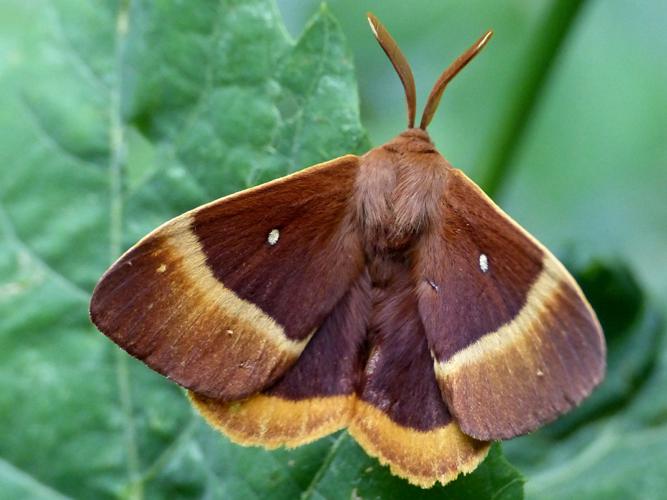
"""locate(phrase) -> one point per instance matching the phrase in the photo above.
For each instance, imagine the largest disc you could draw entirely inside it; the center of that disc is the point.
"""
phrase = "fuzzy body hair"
(398, 191)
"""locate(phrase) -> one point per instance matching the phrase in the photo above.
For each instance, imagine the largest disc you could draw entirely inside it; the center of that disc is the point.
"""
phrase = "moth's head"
(412, 140)
(402, 67)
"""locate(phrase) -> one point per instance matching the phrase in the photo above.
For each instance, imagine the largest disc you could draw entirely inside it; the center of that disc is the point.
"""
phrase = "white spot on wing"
(483, 263)
(273, 237)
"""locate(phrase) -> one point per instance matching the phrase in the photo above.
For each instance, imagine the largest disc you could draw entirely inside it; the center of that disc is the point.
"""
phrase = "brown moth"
(383, 293)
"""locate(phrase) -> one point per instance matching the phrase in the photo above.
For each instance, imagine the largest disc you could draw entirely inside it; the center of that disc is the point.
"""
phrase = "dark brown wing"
(316, 396)
(223, 299)
(515, 342)
(368, 368)
(400, 416)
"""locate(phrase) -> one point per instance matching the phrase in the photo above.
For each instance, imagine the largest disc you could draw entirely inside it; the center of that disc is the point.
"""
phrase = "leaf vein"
(117, 148)
(296, 141)
(37, 488)
(77, 60)
(169, 451)
(47, 138)
(13, 236)
(317, 477)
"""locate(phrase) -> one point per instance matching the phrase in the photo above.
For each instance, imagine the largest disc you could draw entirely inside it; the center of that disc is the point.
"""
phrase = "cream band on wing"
(273, 421)
(193, 261)
(530, 370)
(508, 335)
(421, 457)
(190, 327)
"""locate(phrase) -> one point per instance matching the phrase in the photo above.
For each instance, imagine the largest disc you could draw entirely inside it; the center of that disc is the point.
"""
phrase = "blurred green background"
(117, 115)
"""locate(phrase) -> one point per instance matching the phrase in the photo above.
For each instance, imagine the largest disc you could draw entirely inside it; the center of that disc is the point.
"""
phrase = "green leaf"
(612, 446)
(116, 116)
(494, 478)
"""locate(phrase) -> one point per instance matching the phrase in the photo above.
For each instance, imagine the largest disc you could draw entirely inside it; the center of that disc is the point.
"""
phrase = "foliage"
(117, 116)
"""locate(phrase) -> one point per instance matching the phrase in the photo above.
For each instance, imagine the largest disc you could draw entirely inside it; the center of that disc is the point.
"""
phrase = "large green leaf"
(117, 116)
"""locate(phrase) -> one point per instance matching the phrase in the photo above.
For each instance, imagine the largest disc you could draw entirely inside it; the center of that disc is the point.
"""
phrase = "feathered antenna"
(447, 75)
(399, 62)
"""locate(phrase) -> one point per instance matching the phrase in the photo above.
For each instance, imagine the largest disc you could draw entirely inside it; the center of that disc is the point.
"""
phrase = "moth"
(382, 293)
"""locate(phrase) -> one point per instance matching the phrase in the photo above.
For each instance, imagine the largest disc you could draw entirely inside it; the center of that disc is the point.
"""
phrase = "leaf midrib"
(117, 159)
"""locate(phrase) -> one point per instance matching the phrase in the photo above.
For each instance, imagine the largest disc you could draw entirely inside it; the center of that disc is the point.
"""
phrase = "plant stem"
(535, 70)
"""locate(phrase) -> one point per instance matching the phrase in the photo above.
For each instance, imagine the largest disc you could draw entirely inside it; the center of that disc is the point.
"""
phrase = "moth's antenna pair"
(402, 67)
